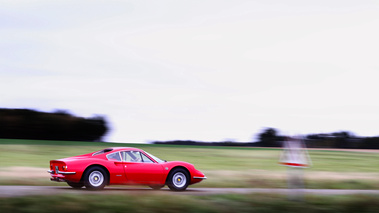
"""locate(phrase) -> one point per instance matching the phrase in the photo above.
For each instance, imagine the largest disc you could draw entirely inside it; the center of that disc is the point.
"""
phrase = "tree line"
(341, 140)
(270, 137)
(59, 125)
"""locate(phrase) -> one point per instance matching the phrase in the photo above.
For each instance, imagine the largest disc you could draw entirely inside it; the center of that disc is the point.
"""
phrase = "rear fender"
(94, 165)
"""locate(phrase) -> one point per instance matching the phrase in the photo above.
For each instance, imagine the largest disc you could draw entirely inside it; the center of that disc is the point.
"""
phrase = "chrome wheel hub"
(96, 178)
(179, 179)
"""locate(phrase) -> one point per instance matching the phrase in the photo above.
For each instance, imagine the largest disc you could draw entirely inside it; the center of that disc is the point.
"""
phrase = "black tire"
(156, 187)
(178, 179)
(75, 185)
(95, 178)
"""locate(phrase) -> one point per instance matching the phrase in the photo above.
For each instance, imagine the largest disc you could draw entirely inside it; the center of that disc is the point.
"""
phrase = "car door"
(115, 167)
(141, 169)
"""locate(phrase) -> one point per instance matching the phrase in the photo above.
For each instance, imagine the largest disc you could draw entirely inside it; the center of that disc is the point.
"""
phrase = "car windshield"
(155, 158)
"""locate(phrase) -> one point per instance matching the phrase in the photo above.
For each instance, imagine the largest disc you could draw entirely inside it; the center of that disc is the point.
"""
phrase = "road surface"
(15, 191)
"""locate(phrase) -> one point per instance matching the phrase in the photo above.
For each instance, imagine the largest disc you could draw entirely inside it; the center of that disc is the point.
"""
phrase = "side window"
(145, 159)
(131, 156)
(114, 156)
(135, 156)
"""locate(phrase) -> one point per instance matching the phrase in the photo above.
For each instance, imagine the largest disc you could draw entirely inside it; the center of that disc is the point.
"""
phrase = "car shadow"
(126, 189)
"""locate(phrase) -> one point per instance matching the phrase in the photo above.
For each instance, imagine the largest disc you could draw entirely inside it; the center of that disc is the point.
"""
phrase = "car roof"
(116, 149)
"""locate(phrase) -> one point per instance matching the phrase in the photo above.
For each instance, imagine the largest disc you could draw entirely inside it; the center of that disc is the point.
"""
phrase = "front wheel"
(178, 180)
(95, 178)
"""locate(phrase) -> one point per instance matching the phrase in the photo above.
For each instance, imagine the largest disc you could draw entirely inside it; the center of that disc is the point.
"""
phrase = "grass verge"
(176, 203)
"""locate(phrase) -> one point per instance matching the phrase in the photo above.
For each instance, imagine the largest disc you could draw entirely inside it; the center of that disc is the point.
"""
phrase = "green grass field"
(25, 162)
(224, 166)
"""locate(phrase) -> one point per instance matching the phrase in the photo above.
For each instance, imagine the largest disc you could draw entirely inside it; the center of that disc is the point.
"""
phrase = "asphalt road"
(14, 191)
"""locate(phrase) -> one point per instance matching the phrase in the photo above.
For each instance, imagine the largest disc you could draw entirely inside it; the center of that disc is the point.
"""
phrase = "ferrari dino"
(123, 166)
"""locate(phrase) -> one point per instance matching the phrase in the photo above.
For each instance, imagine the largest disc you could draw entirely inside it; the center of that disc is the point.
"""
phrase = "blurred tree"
(341, 139)
(59, 125)
(269, 138)
(370, 143)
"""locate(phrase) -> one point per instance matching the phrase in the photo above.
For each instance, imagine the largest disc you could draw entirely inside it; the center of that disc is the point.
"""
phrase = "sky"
(209, 70)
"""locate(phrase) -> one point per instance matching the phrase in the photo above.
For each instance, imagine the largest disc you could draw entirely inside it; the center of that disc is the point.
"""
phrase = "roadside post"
(295, 156)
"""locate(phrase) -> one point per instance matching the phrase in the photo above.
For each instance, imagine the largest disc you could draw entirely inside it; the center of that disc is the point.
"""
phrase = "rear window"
(102, 152)
(114, 156)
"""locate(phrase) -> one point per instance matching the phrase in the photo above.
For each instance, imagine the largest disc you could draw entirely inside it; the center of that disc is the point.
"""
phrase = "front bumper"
(203, 178)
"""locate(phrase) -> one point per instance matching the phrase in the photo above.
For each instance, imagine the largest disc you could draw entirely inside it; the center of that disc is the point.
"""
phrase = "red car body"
(123, 165)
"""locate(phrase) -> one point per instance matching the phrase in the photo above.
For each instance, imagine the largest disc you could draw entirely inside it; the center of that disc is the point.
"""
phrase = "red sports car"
(123, 165)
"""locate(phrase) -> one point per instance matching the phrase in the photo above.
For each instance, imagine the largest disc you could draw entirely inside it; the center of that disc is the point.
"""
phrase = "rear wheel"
(95, 178)
(178, 179)
(75, 185)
